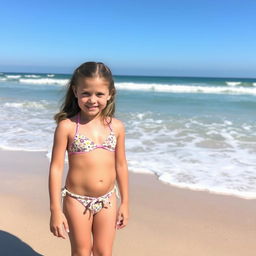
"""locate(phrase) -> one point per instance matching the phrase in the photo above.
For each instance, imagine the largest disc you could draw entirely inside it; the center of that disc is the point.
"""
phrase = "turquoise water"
(190, 132)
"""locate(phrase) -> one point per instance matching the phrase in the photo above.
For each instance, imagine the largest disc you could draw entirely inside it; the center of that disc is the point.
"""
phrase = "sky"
(165, 38)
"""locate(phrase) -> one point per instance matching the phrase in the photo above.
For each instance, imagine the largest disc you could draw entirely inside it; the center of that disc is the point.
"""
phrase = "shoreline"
(164, 220)
(235, 194)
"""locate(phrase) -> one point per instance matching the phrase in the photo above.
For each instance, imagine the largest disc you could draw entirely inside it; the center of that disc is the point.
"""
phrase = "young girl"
(96, 152)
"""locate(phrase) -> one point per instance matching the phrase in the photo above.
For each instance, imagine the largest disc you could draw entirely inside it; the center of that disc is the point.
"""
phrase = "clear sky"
(143, 37)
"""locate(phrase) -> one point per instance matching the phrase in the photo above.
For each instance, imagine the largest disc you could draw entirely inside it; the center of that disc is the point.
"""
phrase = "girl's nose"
(92, 98)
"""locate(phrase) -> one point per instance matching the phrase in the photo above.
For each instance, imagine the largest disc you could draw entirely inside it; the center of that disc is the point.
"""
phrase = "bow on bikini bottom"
(94, 204)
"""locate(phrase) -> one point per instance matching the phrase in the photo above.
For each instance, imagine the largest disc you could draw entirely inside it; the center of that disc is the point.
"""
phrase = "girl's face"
(92, 95)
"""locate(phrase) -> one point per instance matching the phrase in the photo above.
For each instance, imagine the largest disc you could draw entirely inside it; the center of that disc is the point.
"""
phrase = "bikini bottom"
(94, 204)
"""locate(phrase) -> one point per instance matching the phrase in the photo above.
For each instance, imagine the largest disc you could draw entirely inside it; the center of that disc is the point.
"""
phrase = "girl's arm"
(122, 177)
(55, 179)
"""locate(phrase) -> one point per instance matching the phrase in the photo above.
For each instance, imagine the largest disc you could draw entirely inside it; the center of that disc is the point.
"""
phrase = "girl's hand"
(57, 222)
(122, 216)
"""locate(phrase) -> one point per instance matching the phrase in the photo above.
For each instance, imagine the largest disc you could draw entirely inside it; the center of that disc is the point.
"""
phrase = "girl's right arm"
(58, 219)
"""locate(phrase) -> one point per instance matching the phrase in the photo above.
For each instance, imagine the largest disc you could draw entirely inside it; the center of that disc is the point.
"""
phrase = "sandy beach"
(164, 220)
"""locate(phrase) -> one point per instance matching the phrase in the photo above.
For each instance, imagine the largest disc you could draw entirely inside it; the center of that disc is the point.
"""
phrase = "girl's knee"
(101, 251)
(80, 248)
(85, 251)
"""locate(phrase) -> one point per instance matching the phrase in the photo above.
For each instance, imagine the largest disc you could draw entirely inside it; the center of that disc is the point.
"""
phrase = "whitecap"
(174, 88)
(45, 81)
(233, 83)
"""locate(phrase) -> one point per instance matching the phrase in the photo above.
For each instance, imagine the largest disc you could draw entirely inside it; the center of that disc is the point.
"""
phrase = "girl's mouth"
(92, 107)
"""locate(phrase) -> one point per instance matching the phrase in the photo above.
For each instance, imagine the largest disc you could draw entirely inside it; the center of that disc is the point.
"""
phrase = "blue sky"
(176, 38)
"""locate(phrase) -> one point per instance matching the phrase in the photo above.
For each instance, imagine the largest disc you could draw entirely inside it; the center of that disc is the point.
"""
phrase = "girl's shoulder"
(66, 124)
(117, 125)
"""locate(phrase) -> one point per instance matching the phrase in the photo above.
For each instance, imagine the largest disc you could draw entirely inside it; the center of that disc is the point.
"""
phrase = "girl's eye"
(85, 93)
(100, 94)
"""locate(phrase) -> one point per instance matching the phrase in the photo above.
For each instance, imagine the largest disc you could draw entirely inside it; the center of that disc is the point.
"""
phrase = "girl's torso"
(91, 165)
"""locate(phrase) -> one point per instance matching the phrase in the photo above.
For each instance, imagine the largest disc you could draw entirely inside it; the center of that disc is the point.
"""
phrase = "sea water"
(198, 133)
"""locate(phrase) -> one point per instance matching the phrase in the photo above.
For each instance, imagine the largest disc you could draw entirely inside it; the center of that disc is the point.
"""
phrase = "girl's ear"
(74, 91)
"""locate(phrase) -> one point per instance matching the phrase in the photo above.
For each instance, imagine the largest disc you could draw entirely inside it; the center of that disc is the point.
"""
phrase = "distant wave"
(44, 81)
(187, 88)
(33, 76)
(227, 87)
(13, 76)
(27, 104)
(233, 83)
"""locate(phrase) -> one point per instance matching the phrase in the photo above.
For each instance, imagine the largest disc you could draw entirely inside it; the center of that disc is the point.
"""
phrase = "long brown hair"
(90, 69)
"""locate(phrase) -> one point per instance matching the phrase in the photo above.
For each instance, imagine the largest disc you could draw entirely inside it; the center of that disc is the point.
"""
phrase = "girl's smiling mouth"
(92, 107)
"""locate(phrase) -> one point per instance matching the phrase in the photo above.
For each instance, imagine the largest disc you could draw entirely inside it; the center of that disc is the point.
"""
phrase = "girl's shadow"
(11, 245)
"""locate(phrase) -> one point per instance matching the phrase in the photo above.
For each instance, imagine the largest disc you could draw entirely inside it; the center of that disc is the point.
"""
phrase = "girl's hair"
(91, 69)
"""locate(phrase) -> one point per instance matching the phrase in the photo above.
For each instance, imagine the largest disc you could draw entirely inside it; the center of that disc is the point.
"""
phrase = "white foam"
(32, 76)
(167, 178)
(27, 104)
(139, 169)
(13, 148)
(232, 87)
(44, 81)
(174, 88)
(233, 83)
(247, 127)
(26, 125)
(13, 76)
(195, 154)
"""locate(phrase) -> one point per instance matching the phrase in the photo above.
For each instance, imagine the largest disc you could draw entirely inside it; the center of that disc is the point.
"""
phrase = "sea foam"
(233, 83)
(44, 81)
(175, 88)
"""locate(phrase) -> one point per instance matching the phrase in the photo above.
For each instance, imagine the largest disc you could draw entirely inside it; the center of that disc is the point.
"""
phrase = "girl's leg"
(104, 223)
(80, 227)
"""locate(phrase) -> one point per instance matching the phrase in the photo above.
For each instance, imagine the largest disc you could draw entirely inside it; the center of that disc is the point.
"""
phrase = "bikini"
(82, 144)
(94, 204)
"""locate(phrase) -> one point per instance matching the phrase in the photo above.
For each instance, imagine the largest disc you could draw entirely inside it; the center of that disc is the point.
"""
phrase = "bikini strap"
(77, 122)
(110, 126)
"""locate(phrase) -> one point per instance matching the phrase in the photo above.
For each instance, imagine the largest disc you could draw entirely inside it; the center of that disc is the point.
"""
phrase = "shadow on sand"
(11, 245)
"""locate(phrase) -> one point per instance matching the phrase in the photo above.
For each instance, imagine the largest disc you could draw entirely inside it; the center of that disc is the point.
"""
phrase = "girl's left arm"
(122, 177)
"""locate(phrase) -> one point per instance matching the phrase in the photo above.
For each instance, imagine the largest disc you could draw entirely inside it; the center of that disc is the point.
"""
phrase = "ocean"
(191, 132)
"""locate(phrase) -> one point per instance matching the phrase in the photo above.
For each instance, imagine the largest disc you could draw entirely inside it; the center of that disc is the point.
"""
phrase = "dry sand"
(164, 220)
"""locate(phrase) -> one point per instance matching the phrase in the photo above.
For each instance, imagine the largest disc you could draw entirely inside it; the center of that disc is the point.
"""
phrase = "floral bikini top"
(82, 144)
